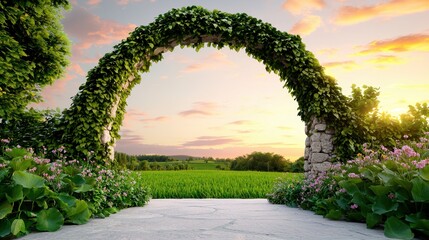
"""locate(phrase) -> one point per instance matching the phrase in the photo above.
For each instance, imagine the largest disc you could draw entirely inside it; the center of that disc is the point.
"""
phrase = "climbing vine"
(95, 116)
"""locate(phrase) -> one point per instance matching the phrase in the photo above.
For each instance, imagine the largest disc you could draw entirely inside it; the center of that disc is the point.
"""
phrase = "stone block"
(324, 137)
(319, 157)
(320, 127)
(321, 167)
(316, 137)
(308, 142)
(316, 147)
(327, 147)
(307, 166)
(307, 153)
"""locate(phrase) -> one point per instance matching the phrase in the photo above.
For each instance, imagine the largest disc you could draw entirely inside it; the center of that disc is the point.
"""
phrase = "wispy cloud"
(155, 119)
(129, 137)
(240, 122)
(306, 25)
(126, 2)
(412, 86)
(90, 30)
(59, 87)
(348, 65)
(200, 108)
(351, 15)
(412, 42)
(210, 141)
(213, 61)
(328, 51)
(93, 2)
(300, 6)
(382, 60)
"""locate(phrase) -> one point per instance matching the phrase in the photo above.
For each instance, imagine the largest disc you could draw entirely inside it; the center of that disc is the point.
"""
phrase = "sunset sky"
(222, 103)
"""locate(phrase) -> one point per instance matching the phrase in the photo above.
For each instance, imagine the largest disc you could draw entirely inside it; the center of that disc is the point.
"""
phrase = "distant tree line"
(148, 162)
(269, 162)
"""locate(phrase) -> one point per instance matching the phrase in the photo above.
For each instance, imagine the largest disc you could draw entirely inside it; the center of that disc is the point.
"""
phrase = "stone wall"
(319, 147)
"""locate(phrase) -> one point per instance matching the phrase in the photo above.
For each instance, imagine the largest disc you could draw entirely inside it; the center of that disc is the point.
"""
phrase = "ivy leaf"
(49, 220)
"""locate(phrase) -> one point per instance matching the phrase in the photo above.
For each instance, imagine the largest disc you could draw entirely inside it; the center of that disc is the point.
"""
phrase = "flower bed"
(37, 193)
(384, 188)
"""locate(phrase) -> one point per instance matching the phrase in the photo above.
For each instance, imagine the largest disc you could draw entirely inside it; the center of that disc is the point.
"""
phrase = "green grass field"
(198, 164)
(210, 184)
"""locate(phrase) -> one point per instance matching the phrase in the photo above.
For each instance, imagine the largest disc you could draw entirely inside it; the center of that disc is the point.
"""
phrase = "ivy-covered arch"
(95, 116)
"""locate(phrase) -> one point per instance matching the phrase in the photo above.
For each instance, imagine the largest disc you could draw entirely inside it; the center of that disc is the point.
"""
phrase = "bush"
(42, 194)
(388, 188)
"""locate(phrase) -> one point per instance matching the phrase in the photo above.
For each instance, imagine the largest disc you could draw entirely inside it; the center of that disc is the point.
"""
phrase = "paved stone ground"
(177, 219)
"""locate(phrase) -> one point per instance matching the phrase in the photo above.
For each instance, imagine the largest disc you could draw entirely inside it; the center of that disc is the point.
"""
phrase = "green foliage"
(210, 184)
(42, 194)
(380, 187)
(258, 161)
(119, 71)
(38, 130)
(33, 51)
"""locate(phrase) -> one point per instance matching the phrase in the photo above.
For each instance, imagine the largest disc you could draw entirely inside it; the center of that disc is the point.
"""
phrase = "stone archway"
(93, 121)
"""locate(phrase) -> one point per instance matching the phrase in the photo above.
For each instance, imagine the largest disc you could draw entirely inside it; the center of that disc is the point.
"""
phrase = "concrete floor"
(176, 219)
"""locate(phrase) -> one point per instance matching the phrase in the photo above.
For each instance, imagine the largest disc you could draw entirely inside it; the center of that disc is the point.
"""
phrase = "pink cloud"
(129, 137)
(343, 64)
(155, 119)
(412, 42)
(351, 15)
(300, 6)
(93, 2)
(306, 25)
(200, 108)
(240, 122)
(126, 2)
(210, 141)
(90, 30)
(213, 61)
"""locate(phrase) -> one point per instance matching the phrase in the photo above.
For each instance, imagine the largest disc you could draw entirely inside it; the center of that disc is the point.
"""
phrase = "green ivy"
(317, 94)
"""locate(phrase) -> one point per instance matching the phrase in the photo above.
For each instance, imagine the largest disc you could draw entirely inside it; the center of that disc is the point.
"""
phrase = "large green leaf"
(14, 193)
(4, 227)
(17, 226)
(49, 220)
(424, 172)
(83, 188)
(395, 228)
(383, 204)
(372, 220)
(5, 209)
(380, 190)
(21, 164)
(66, 200)
(28, 180)
(80, 213)
(34, 194)
(421, 225)
(334, 214)
(349, 186)
(420, 190)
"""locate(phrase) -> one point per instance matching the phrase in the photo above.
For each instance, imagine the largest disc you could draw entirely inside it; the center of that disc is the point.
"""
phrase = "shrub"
(37, 193)
(388, 188)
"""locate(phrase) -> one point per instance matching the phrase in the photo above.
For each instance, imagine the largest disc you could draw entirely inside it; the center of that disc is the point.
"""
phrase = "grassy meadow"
(210, 184)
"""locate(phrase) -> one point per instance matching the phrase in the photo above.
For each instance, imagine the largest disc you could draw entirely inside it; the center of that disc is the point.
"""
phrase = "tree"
(259, 161)
(33, 51)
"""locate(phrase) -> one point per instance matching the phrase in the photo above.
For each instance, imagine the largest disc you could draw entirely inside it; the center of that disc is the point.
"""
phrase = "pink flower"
(421, 164)
(409, 151)
(353, 175)
(405, 136)
(354, 206)
(391, 195)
